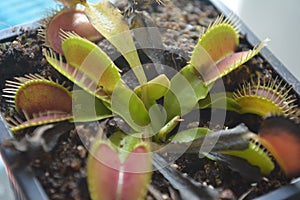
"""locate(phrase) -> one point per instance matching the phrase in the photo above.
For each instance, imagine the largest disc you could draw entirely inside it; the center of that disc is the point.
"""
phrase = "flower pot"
(27, 186)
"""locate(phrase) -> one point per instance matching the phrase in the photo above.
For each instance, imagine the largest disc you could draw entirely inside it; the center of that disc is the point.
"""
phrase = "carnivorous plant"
(152, 108)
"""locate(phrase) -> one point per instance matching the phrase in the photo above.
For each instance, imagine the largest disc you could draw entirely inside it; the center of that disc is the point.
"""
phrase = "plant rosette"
(160, 112)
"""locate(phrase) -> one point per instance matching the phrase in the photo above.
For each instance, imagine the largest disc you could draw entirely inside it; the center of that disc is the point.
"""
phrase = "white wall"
(278, 20)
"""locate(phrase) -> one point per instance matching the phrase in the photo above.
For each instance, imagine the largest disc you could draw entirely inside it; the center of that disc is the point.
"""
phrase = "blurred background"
(274, 19)
(15, 12)
(277, 20)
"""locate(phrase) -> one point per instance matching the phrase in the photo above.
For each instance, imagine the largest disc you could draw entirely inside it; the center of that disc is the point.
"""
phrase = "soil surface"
(62, 172)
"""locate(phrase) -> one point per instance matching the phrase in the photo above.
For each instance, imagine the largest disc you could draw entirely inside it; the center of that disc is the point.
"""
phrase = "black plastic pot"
(26, 185)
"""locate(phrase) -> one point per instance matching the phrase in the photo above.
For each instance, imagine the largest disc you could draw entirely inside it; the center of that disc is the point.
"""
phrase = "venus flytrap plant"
(36, 98)
(216, 48)
(218, 61)
(78, 52)
(90, 68)
(213, 57)
(219, 42)
(96, 73)
(85, 61)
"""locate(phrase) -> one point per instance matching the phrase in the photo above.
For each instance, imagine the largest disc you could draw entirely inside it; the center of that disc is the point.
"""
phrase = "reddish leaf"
(224, 65)
(281, 137)
(41, 101)
(103, 174)
(137, 169)
(69, 20)
(109, 178)
(38, 96)
(230, 63)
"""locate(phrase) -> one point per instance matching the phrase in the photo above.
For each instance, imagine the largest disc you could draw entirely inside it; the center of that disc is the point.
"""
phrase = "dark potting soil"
(62, 172)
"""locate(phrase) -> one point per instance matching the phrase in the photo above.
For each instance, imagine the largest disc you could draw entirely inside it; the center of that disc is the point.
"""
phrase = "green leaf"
(125, 143)
(185, 91)
(158, 118)
(109, 21)
(200, 88)
(88, 108)
(172, 105)
(154, 89)
(125, 103)
(91, 61)
(190, 135)
(219, 40)
(255, 155)
(91, 68)
(223, 100)
(166, 129)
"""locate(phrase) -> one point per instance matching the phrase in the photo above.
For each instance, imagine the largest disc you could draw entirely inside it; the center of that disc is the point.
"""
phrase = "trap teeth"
(281, 136)
(264, 98)
(38, 101)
